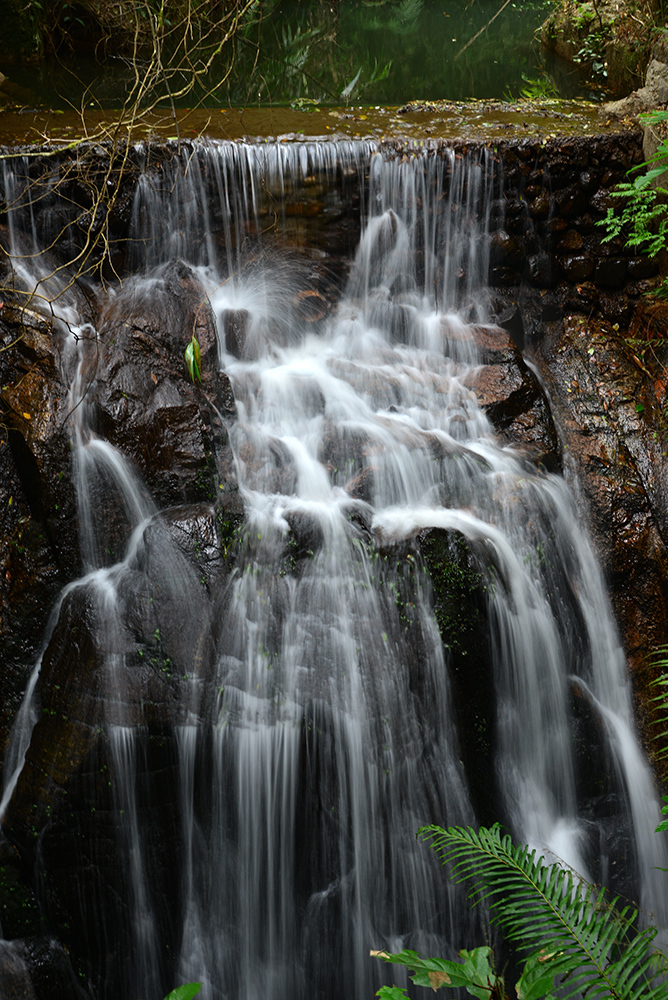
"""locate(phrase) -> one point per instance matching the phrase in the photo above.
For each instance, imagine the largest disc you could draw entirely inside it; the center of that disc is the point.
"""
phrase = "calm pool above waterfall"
(293, 52)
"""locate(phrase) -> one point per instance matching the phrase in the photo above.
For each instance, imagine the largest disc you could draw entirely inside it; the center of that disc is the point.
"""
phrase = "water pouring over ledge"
(273, 733)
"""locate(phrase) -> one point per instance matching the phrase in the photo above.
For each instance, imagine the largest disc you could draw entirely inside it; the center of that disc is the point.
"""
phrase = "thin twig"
(484, 28)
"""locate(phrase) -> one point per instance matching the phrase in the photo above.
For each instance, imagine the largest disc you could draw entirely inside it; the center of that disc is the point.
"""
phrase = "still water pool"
(377, 52)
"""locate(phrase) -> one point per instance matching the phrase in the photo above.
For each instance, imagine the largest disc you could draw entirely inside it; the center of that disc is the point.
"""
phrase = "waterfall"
(317, 725)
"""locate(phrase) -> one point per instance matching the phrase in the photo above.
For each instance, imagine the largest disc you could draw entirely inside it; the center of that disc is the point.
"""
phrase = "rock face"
(607, 38)
(145, 403)
(514, 400)
(652, 94)
(610, 408)
(114, 654)
(131, 645)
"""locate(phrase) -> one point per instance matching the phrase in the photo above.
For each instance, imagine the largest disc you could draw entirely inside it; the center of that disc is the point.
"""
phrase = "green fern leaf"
(659, 703)
(571, 930)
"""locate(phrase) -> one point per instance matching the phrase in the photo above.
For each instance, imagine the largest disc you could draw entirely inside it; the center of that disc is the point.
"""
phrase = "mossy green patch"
(19, 912)
(458, 586)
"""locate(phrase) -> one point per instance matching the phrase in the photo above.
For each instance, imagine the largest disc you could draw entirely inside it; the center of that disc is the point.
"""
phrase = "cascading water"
(317, 729)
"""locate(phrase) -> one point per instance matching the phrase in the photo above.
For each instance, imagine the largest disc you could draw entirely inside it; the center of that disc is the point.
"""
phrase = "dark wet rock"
(642, 267)
(609, 410)
(570, 240)
(145, 403)
(617, 309)
(539, 208)
(506, 250)
(343, 451)
(513, 398)
(306, 534)
(235, 323)
(543, 270)
(602, 200)
(196, 532)
(610, 273)
(71, 709)
(30, 580)
(570, 200)
(37, 415)
(578, 267)
(508, 315)
(14, 972)
(131, 652)
(458, 580)
(37, 968)
(38, 522)
(360, 487)
(503, 277)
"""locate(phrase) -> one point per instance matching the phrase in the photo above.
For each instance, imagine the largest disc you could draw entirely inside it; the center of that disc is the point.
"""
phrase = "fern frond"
(572, 929)
(659, 702)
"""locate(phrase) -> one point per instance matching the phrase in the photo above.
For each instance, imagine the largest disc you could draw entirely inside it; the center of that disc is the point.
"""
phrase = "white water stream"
(328, 735)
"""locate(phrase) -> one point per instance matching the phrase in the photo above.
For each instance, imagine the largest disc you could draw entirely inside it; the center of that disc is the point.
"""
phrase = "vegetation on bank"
(573, 939)
(56, 27)
(610, 39)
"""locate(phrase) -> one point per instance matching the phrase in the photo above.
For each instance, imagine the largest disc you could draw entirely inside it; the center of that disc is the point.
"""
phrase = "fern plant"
(578, 941)
(643, 215)
(660, 712)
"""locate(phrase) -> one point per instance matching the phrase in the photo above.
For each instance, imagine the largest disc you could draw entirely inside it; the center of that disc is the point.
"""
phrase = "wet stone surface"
(555, 290)
(610, 407)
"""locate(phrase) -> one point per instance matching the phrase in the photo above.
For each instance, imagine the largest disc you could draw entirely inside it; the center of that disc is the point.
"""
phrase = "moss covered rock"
(610, 39)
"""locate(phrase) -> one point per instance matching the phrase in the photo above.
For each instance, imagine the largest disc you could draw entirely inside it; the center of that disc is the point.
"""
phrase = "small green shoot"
(193, 358)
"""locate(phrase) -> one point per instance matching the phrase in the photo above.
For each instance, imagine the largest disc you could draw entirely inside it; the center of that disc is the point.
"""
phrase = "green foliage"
(579, 942)
(643, 216)
(391, 993)
(538, 88)
(185, 992)
(474, 973)
(458, 584)
(659, 704)
(576, 937)
(663, 825)
(193, 358)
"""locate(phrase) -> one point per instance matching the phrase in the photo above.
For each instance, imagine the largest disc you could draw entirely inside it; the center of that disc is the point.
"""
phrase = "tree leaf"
(185, 992)
(475, 973)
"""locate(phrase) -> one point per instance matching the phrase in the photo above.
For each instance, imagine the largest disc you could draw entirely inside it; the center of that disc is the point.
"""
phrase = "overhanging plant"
(575, 941)
(642, 218)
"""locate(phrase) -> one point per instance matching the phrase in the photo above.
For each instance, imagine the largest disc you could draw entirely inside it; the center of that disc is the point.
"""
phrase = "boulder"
(144, 402)
(512, 397)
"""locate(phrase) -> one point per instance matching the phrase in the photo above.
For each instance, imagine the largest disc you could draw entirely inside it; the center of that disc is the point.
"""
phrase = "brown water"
(448, 120)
